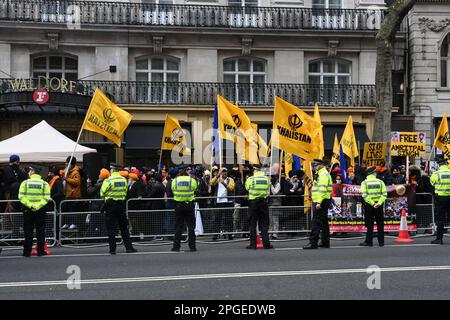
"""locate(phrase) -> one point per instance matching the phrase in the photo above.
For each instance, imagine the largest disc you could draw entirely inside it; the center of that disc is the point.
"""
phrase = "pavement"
(228, 271)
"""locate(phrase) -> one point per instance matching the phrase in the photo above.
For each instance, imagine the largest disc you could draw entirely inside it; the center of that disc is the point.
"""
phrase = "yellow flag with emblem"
(307, 182)
(294, 131)
(348, 142)
(106, 118)
(320, 132)
(442, 140)
(174, 137)
(233, 122)
(336, 156)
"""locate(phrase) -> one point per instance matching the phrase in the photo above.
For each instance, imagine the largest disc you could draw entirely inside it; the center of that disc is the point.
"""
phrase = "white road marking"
(352, 247)
(92, 255)
(221, 276)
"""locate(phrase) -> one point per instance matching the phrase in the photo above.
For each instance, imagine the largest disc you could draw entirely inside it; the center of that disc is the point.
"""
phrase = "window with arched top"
(328, 80)
(248, 76)
(445, 62)
(55, 66)
(329, 71)
(157, 79)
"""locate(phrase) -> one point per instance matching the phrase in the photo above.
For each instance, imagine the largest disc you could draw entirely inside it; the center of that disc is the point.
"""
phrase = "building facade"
(154, 57)
(429, 65)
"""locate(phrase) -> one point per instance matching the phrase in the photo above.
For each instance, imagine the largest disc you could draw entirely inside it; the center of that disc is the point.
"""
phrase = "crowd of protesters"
(220, 196)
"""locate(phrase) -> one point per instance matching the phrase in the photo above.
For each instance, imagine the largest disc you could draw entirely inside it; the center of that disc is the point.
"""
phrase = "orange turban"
(124, 174)
(133, 176)
(104, 174)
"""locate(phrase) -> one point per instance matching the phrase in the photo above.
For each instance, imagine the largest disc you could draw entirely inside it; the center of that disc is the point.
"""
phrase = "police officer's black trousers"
(442, 208)
(258, 211)
(116, 215)
(184, 212)
(33, 220)
(319, 224)
(371, 215)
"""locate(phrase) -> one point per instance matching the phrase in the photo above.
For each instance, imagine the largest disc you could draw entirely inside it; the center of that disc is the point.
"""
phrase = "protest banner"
(346, 213)
(404, 144)
(374, 154)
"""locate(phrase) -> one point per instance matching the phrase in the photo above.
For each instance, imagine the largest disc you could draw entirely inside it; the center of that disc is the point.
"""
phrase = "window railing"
(204, 93)
(138, 14)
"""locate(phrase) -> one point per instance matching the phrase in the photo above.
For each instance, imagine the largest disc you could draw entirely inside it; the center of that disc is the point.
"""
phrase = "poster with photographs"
(346, 213)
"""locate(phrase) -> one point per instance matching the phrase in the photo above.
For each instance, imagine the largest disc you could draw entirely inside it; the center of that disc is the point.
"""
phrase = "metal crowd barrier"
(152, 220)
(11, 224)
(424, 211)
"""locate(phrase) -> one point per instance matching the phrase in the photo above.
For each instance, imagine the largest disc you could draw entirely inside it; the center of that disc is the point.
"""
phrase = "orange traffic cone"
(403, 235)
(34, 252)
(259, 244)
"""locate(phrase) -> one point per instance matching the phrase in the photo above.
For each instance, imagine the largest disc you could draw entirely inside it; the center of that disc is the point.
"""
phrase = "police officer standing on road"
(34, 194)
(440, 180)
(114, 192)
(374, 194)
(183, 188)
(258, 187)
(321, 198)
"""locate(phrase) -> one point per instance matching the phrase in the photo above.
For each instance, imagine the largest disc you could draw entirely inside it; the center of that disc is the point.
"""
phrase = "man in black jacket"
(13, 176)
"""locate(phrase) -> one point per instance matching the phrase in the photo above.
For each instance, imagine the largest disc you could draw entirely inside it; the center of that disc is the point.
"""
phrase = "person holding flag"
(105, 118)
(321, 197)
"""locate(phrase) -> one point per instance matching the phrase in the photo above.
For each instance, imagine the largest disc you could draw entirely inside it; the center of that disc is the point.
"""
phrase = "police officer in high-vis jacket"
(321, 198)
(258, 187)
(34, 194)
(440, 180)
(374, 194)
(183, 188)
(114, 192)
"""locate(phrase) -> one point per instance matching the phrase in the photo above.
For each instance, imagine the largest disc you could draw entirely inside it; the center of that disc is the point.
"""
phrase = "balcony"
(187, 16)
(203, 93)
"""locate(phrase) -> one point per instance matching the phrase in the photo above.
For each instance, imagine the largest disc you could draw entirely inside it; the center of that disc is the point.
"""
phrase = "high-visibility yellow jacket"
(34, 192)
(322, 186)
(115, 187)
(257, 186)
(373, 190)
(440, 180)
(184, 188)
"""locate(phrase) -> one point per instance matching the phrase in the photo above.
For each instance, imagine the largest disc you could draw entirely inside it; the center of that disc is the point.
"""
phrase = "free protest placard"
(346, 214)
(374, 154)
(410, 144)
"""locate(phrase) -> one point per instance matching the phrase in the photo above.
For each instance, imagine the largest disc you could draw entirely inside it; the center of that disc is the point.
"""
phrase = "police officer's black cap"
(35, 169)
(441, 160)
(256, 167)
(371, 170)
(318, 161)
(114, 166)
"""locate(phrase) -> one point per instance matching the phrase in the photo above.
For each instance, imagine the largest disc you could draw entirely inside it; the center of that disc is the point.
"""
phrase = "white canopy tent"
(41, 143)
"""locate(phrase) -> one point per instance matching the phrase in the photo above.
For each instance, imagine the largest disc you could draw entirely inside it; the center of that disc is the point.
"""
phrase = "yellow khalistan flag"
(174, 137)
(348, 141)
(233, 122)
(294, 131)
(336, 156)
(106, 118)
(262, 145)
(442, 140)
(256, 147)
(320, 133)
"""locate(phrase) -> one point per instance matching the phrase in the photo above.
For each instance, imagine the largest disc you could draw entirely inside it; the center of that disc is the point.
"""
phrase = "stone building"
(174, 56)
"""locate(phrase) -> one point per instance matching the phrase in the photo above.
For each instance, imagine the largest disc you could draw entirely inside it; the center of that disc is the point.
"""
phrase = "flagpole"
(162, 140)
(407, 169)
(66, 171)
(281, 161)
